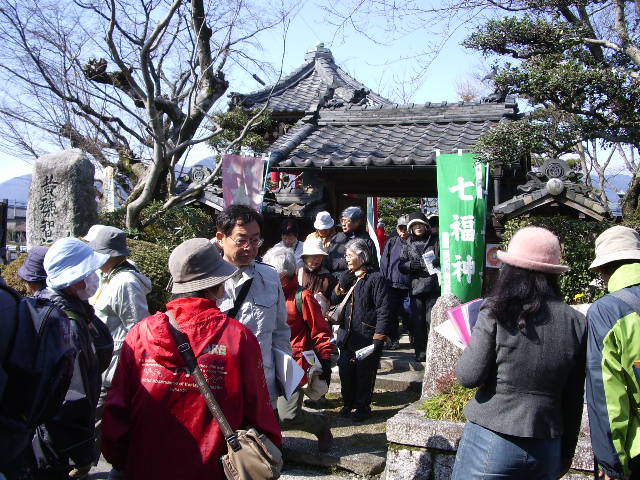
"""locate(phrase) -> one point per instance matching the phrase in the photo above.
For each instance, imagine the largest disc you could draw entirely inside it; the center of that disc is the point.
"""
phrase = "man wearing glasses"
(253, 295)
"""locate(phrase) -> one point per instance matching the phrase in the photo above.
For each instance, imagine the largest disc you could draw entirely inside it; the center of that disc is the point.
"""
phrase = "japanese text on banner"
(462, 209)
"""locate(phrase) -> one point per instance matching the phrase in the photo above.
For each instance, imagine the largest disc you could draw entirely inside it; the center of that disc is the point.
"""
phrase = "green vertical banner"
(462, 208)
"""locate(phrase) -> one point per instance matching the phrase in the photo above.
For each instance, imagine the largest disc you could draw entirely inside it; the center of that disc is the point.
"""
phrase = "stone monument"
(62, 200)
(442, 355)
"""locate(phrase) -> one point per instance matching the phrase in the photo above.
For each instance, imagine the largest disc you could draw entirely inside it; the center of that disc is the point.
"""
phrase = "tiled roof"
(397, 135)
(318, 82)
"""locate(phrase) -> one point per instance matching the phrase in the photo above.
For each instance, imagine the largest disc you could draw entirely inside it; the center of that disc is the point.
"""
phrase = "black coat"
(366, 313)
(390, 261)
(336, 262)
(70, 435)
(412, 264)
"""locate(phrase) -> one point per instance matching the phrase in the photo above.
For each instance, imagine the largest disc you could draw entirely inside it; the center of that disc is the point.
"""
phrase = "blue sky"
(377, 66)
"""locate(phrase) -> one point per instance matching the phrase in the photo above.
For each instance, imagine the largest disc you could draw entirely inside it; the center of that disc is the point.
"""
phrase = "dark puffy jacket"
(366, 314)
(412, 264)
(390, 262)
(70, 435)
(336, 263)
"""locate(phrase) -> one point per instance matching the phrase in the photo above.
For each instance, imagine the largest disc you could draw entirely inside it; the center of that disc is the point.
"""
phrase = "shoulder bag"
(336, 312)
(250, 454)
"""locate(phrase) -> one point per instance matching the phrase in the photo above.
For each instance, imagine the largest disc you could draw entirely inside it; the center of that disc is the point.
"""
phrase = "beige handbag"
(336, 312)
(250, 454)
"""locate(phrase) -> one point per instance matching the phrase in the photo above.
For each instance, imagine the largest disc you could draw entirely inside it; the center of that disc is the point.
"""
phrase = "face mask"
(91, 284)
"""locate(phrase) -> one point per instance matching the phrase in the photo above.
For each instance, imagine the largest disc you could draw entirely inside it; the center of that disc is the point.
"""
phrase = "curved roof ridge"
(300, 73)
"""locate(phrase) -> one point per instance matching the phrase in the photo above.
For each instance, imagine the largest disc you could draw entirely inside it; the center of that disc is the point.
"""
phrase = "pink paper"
(460, 319)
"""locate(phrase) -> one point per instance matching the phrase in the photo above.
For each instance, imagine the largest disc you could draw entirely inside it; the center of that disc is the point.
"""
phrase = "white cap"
(69, 260)
(313, 246)
(323, 221)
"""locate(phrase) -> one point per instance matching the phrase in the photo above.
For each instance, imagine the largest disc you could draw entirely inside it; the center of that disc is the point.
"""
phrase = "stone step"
(299, 450)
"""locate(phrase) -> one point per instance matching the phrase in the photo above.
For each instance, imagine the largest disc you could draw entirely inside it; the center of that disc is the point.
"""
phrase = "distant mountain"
(16, 188)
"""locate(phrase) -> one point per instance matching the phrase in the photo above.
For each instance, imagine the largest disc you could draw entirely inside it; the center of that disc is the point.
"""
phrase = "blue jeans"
(484, 454)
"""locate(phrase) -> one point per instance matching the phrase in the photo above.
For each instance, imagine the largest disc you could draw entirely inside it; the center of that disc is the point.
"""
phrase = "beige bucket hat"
(313, 246)
(615, 244)
(195, 265)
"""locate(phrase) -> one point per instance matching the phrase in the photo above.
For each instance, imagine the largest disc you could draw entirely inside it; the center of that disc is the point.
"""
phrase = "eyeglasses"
(245, 242)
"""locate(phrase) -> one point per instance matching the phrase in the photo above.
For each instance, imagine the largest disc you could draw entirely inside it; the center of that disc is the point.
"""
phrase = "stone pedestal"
(425, 449)
(61, 198)
(442, 355)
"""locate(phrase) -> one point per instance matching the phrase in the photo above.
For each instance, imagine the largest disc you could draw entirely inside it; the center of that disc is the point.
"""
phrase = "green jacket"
(613, 393)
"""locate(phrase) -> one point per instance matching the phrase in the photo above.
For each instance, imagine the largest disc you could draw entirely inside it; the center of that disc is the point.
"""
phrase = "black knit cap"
(416, 217)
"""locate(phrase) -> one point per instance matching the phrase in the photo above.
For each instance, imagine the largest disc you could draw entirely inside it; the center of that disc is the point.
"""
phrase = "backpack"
(39, 361)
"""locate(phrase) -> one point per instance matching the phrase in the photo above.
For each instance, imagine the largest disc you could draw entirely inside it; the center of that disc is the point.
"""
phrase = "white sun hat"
(323, 221)
(313, 246)
(70, 260)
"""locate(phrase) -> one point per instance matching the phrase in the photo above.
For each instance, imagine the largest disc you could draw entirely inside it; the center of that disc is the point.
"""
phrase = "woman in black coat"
(425, 288)
(365, 322)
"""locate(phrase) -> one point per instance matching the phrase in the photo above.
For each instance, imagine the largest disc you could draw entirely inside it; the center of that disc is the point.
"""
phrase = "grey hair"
(282, 259)
(354, 213)
(361, 249)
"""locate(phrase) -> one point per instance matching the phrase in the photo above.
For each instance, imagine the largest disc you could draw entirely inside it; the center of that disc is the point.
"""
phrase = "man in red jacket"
(156, 423)
(309, 332)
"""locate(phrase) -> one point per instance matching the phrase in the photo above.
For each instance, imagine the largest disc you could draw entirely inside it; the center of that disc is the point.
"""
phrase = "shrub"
(448, 405)
(10, 274)
(152, 260)
(578, 239)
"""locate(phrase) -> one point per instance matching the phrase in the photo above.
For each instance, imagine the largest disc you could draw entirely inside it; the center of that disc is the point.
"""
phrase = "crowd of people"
(86, 370)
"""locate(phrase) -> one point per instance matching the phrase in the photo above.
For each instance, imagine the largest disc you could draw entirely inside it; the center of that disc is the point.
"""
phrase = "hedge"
(578, 239)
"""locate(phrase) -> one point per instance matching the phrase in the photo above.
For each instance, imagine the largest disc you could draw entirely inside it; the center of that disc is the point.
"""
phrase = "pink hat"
(534, 248)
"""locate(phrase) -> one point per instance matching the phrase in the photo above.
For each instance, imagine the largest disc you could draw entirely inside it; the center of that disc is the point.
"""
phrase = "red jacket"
(156, 423)
(309, 331)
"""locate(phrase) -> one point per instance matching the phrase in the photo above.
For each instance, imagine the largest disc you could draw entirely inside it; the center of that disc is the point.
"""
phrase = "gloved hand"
(346, 279)
(80, 472)
(416, 265)
(326, 369)
(378, 345)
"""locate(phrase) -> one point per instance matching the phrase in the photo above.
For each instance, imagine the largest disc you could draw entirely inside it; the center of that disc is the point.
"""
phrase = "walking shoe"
(394, 345)
(325, 437)
(361, 415)
(345, 411)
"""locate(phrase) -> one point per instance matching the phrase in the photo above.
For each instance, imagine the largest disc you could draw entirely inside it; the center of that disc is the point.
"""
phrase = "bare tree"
(127, 80)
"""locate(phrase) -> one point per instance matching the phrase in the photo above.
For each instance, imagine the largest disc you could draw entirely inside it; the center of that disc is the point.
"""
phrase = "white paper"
(311, 357)
(428, 258)
(288, 372)
(448, 331)
(364, 352)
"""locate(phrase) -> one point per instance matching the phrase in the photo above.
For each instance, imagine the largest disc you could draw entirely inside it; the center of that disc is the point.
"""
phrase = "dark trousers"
(420, 324)
(395, 298)
(357, 378)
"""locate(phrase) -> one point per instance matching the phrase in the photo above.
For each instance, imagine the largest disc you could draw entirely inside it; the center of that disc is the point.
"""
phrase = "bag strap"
(299, 299)
(629, 298)
(242, 294)
(184, 347)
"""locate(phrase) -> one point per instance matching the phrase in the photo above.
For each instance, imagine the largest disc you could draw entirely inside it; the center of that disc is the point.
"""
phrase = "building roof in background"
(392, 135)
(317, 82)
